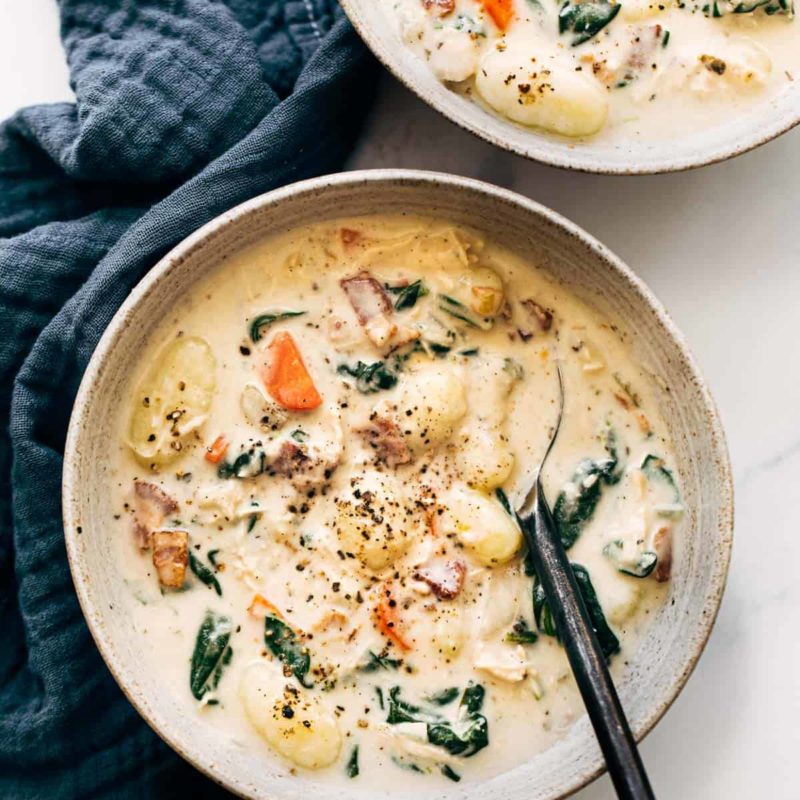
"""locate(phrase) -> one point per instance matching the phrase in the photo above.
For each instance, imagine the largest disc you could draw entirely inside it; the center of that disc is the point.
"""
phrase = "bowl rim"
(761, 134)
(78, 430)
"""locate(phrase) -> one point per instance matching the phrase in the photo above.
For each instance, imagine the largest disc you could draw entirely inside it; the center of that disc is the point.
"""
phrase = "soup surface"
(615, 71)
(312, 489)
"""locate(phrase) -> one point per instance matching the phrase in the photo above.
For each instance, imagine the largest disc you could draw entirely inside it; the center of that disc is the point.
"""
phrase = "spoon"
(578, 637)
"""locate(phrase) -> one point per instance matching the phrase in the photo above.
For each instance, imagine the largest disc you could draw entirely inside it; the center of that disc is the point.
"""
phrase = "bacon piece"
(662, 544)
(441, 8)
(542, 315)
(170, 557)
(386, 439)
(444, 577)
(305, 469)
(152, 505)
(372, 306)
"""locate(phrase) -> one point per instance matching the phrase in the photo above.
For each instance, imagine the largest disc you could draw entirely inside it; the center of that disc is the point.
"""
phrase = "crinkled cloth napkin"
(184, 109)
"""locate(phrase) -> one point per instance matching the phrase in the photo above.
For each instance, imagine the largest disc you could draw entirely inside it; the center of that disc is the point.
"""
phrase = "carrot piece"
(501, 12)
(261, 607)
(217, 449)
(388, 617)
(286, 377)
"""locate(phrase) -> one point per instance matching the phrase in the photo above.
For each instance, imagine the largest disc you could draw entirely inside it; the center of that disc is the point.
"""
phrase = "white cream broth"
(657, 70)
(409, 508)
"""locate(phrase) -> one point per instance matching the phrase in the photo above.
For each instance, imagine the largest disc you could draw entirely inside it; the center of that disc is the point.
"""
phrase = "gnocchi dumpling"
(545, 93)
(372, 521)
(484, 459)
(482, 526)
(428, 407)
(172, 399)
(293, 722)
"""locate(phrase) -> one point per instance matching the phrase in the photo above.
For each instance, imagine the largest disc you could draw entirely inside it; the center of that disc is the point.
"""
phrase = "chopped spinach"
(407, 296)
(472, 699)
(299, 435)
(458, 310)
(470, 351)
(266, 319)
(370, 378)
(449, 772)
(443, 697)
(544, 616)
(520, 633)
(372, 663)
(251, 523)
(212, 557)
(245, 465)
(379, 693)
(471, 736)
(585, 20)
(284, 643)
(402, 711)
(653, 467)
(204, 573)
(352, 764)
(576, 503)
(644, 564)
(628, 390)
(212, 653)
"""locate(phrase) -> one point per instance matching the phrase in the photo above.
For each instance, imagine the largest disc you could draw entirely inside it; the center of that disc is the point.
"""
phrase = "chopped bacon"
(444, 577)
(386, 439)
(372, 306)
(440, 7)
(305, 469)
(542, 315)
(662, 544)
(152, 505)
(170, 557)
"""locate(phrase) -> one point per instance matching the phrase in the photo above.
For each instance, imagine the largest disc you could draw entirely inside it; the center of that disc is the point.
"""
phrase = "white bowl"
(759, 125)
(676, 638)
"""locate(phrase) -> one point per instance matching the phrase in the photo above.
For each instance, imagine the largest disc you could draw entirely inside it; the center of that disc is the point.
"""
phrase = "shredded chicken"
(170, 557)
(151, 507)
(444, 577)
(386, 439)
(372, 306)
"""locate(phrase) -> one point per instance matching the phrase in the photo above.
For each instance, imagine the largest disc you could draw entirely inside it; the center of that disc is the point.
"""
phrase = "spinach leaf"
(585, 20)
(204, 573)
(472, 699)
(352, 764)
(641, 567)
(544, 616)
(449, 772)
(458, 310)
(370, 378)
(284, 643)
(470, 351)
(407, 296)
(444, 697)
(471, 737)
(266, 319)
(402, 711)
(576, 503)
(653, 467)
(212, 653)
(245, 465)
(608, 640)
(520, 633)
(372, 663)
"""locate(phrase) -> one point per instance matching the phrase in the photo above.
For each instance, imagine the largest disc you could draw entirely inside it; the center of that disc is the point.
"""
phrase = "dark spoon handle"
(585, 656)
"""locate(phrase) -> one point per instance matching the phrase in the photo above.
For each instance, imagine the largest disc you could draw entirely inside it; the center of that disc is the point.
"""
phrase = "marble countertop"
(720, 249)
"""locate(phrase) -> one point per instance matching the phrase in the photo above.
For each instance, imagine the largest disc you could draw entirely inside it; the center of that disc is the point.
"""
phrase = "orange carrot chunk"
(388, 618)
(261, 607)
(501, 12)
(216, 450)
(286, 377)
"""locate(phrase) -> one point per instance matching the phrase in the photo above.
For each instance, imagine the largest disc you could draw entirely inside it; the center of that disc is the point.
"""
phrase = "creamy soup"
(318, 463)
(635, 69)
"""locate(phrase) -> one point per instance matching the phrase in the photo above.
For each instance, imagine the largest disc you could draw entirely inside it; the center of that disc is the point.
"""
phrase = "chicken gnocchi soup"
(619, 69)
(314, 502)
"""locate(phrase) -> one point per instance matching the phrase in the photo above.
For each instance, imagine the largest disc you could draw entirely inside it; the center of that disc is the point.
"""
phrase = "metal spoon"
(578, 637)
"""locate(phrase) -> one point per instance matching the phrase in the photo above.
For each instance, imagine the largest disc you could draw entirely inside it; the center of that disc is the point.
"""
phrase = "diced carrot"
(501, 12)
(388, 617)
(261, 607)
(286, 377)
(216, 450)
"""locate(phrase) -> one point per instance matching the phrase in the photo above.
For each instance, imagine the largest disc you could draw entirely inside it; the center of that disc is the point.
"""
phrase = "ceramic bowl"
(707, 146)
(678, 634)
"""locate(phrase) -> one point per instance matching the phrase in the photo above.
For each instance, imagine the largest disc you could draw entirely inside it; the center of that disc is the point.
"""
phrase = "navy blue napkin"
(184, 109)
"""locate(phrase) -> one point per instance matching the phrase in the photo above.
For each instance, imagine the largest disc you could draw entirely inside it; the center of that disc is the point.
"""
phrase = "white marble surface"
(720, 247)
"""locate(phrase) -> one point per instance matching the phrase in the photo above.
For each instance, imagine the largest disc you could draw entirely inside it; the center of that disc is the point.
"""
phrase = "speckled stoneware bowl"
(756, 127)
(674, 642)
